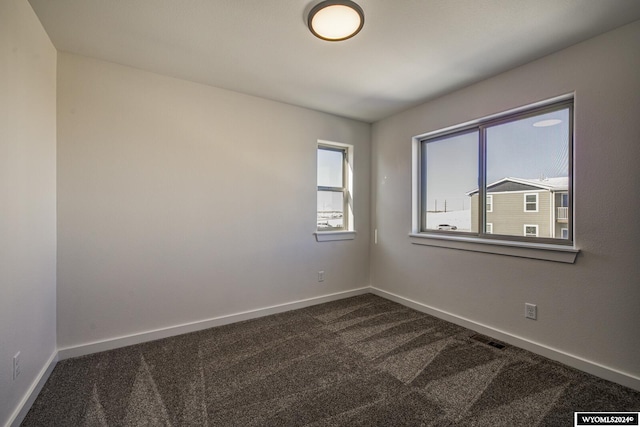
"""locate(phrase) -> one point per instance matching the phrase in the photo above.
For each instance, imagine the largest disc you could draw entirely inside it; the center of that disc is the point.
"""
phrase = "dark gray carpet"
(361, 361)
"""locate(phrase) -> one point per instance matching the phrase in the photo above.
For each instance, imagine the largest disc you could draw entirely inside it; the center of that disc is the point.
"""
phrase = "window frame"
(537, 203)
(536, 226)
(489, 228)
(561, 250)
(347, 231)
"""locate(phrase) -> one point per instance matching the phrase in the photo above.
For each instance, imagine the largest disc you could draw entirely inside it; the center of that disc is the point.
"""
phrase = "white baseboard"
(112, 343)
(25, 404)
(577, 362)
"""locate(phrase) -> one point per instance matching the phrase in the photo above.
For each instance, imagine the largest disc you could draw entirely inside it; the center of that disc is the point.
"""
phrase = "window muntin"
(524, 171)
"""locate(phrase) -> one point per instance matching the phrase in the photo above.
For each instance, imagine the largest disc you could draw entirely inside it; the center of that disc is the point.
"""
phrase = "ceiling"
(408, 52)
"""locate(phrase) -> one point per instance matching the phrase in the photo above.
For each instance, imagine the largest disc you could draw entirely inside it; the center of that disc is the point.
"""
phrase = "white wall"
(589, 309)
(179, 202)
(27, 201)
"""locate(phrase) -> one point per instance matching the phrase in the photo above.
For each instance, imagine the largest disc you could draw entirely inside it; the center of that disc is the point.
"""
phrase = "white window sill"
(328, 236)
(547, 252)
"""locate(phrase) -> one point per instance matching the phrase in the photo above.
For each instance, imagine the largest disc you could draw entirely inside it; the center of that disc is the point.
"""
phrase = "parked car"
(447, 227)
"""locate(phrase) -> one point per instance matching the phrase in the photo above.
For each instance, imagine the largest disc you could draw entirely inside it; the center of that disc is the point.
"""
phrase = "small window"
(564, 233)
(334, 194)
(531, 230)
(489, 228)
(531, 202)
(489, 203)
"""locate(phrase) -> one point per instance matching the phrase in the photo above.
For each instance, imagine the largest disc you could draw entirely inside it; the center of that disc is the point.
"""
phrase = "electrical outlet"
(530, 311)
(16, 365)
(321, 276)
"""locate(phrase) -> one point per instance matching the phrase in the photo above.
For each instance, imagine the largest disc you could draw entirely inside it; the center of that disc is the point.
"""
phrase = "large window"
(335, 204)
(507, 177)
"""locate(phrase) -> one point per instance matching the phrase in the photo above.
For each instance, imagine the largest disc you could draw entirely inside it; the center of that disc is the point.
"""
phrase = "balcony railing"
(563, 214)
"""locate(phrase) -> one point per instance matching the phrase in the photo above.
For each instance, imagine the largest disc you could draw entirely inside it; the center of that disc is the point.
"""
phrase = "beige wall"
(588, 309)
(179, 202)
(509, 217)
(27, 201)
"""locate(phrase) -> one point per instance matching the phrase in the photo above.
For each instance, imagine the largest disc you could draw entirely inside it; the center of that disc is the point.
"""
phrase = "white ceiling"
(409, 51)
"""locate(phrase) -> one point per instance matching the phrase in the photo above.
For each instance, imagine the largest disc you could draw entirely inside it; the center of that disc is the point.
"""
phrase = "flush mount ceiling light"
(336, 20)
(547, 123)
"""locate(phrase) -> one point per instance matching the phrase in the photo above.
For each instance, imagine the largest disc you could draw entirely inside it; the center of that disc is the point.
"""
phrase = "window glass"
(524, 156)
(531, 230)
(564, 200)
(450, 172)
(333, 212)
(504, 177)
(330, 210)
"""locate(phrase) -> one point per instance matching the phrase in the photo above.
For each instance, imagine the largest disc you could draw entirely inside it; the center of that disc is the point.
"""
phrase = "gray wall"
(179, 202)
(588, 309)
(27, 201)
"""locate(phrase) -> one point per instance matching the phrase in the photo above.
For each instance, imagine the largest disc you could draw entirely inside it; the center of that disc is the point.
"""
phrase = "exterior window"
(531, 202)
(531, 230)
(519, 161)
(334, 201)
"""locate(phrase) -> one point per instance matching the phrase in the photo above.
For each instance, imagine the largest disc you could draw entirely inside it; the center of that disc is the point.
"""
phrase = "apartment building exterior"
(525, 207)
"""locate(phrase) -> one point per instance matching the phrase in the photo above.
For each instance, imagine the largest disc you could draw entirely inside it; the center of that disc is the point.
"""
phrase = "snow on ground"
(461, 219)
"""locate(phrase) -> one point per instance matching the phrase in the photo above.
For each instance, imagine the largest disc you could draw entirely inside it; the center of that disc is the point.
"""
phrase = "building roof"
(523, 184)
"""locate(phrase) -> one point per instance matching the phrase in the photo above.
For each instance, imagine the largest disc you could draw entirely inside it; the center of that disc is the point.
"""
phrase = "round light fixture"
(336, 20)
(547, 123)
